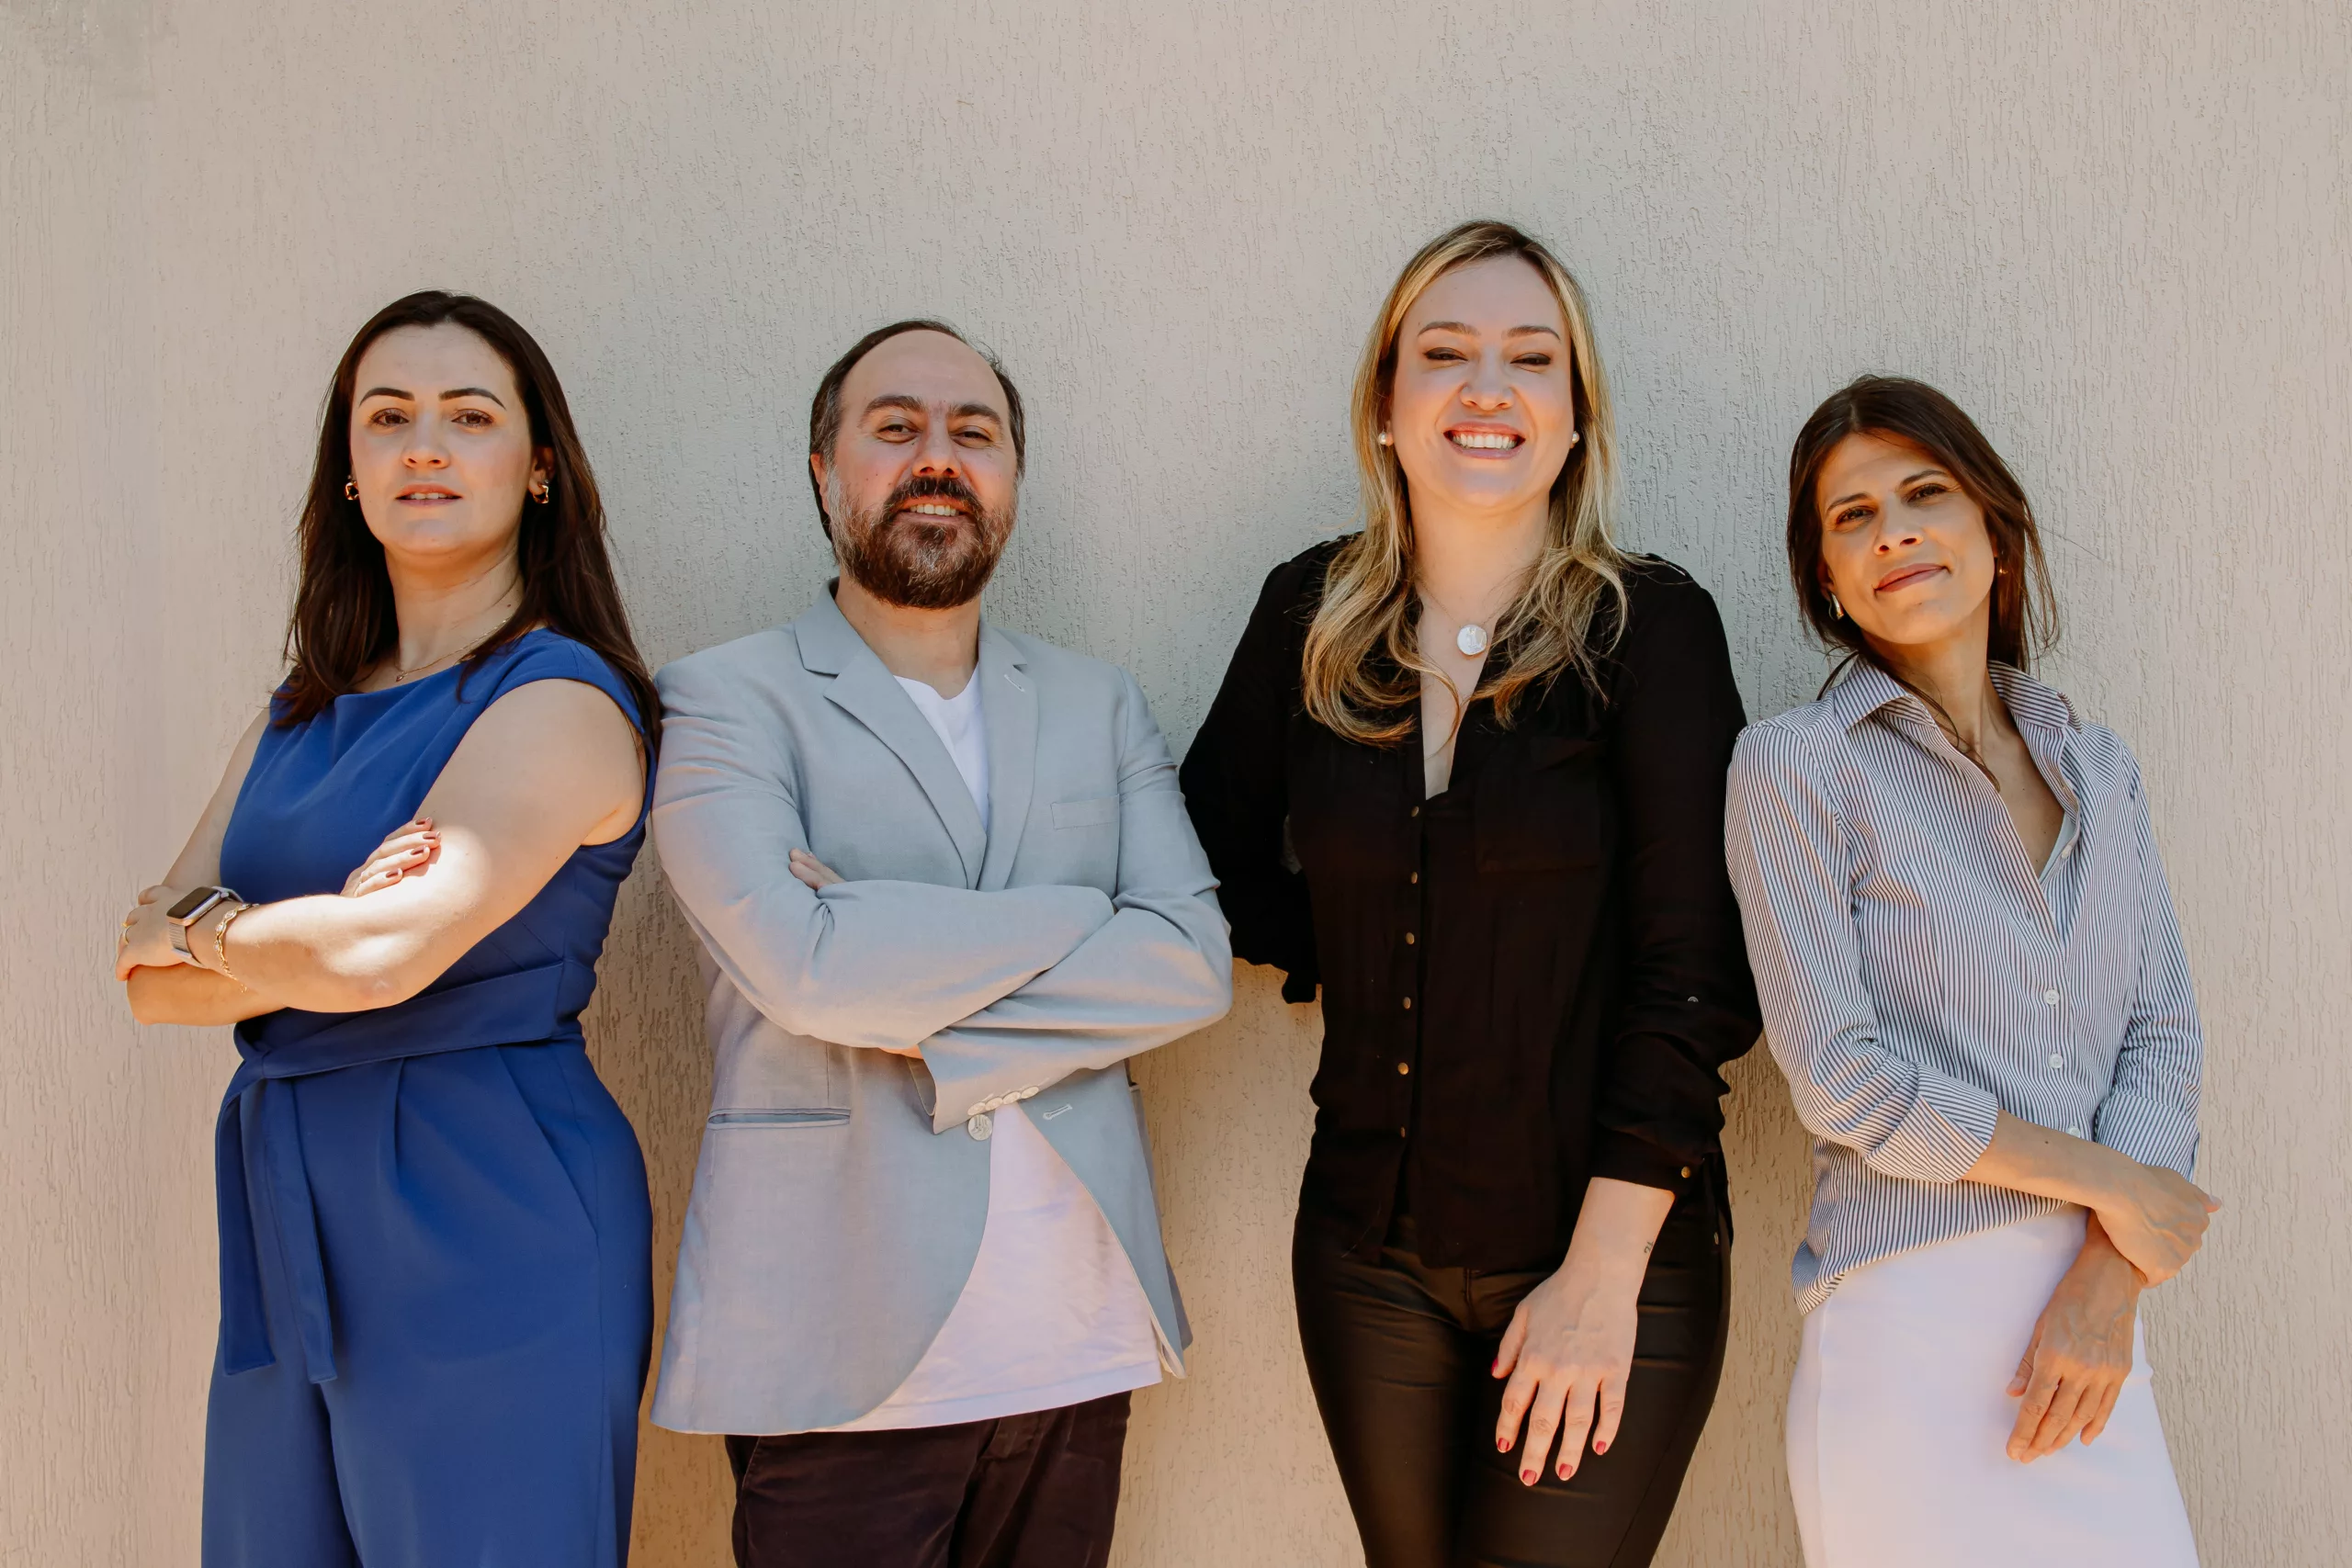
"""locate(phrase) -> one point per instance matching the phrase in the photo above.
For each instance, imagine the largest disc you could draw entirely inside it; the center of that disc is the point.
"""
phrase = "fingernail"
(396, 873)
(1527, 1478)
(1502, 1445)
(1566, 1471)
(1600, 1445)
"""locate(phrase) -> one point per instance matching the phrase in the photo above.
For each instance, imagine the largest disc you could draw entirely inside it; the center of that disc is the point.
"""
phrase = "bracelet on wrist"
(220, 941)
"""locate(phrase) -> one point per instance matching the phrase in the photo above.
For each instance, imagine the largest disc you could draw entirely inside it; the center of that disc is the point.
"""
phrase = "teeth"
(1482, 441)
(931, 509)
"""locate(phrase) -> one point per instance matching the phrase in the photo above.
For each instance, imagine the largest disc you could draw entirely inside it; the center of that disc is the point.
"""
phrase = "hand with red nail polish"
(1569, 1348)
(407, 850)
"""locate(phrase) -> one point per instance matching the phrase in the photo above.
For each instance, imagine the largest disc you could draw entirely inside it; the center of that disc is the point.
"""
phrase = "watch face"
(188, 906)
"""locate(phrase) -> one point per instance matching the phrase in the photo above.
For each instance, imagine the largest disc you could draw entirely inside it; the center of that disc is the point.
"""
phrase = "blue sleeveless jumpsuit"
(436, 1286)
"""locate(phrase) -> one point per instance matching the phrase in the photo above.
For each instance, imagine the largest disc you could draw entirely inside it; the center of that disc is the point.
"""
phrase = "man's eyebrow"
(455, 392)
(971, 410)
(896, 400)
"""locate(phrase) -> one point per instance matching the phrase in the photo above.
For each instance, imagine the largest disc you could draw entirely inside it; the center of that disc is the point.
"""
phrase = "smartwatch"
(192, 907)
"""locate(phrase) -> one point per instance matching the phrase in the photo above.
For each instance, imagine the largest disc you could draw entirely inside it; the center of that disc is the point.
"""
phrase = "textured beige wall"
(2117, 231)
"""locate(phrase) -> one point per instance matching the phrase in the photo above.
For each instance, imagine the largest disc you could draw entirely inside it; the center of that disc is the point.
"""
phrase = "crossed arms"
(997, 991)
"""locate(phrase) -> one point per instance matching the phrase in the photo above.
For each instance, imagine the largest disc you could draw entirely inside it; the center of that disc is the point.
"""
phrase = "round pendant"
(1471, 640)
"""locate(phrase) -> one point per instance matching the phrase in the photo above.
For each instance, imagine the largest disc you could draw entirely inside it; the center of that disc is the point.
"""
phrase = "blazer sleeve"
(1686, 1004)
(875, 964)
(1237, 790)
(1793, 872)
(1158, 969)
(2150, 1111)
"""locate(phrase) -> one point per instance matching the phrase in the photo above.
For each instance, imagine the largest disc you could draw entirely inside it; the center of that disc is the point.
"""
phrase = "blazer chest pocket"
(800, 1117)
(1542, 810)
(1086, 813)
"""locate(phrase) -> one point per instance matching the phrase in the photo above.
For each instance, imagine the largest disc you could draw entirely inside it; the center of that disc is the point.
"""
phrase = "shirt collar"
(1866, 690)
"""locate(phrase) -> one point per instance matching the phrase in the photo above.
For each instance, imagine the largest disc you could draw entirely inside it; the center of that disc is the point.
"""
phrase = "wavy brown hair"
(2025, 614)
(343, 623)
(1363, 667)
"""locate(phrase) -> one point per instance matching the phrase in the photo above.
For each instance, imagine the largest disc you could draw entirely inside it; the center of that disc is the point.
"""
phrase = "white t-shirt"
(1052, 1314)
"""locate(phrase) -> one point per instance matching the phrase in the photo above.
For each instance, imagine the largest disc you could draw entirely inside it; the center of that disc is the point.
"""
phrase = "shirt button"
(1409, 939)
(1409, 1004)
(1686, 1173)
(1416, 811)
(980, 1127)
(2056, 1060)
(1414, 878)
(2050, 997)
(2073, 1132)
(1403, 1067)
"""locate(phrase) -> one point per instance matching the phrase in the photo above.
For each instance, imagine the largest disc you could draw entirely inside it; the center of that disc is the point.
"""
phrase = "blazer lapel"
(867, 691)
(1009, 705)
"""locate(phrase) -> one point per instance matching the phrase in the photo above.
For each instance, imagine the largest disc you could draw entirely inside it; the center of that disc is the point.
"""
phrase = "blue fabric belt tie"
(524, 1007)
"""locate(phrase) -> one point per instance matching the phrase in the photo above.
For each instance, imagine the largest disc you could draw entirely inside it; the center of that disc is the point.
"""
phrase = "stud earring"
(1383, 439)
(1575, 437)
(350, 489)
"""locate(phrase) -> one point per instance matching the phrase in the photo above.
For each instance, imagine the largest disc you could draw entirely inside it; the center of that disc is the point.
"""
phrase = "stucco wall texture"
(2116, 232)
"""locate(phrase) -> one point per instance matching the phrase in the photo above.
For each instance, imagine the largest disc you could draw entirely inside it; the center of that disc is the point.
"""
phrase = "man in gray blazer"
(946, 887)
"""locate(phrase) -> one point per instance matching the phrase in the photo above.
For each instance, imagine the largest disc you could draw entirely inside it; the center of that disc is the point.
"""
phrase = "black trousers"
(1401, 1356)
(1033, 1491)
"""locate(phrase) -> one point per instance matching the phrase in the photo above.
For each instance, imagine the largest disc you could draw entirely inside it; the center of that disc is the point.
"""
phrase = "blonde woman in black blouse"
(1466, 773)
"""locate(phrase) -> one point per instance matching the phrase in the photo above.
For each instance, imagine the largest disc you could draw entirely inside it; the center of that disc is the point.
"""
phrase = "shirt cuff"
(1946, 1131)
(2148, 1131)
(1622, 1157)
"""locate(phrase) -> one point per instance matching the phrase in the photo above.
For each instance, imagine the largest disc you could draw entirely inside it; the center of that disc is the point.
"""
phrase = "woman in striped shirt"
(1971, 974)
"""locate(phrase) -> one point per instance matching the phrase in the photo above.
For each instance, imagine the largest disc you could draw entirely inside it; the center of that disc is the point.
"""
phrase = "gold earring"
(545, 494)
(350, 489)
(1835, 608)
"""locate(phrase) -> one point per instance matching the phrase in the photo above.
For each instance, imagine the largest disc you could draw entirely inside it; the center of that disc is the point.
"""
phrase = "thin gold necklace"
(401, 673)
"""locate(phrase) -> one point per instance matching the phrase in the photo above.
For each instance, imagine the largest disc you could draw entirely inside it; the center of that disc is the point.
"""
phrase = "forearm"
(327, 954)
(885, 964)
(1159, 970)
(2103, 1270)
(2027, 1158)
(180, 993)
(1618, 1225)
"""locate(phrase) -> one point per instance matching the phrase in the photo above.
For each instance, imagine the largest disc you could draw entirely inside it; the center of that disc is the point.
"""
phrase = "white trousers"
(1899, 1419)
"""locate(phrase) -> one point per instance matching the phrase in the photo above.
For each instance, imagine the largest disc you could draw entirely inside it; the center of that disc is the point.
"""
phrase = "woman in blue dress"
(434, 1283)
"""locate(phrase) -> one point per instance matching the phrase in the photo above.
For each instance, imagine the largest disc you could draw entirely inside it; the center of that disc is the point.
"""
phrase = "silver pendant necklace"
(1471, 639)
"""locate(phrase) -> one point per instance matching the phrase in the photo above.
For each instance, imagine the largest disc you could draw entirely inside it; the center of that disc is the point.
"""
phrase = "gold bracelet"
(220, 941)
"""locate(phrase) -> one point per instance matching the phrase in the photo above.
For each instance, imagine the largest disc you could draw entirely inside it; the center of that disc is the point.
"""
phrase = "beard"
(918, 562)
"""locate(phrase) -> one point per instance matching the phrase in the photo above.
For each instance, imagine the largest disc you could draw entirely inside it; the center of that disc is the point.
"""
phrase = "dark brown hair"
(825, 408)
(2025, 614)
(343, 623)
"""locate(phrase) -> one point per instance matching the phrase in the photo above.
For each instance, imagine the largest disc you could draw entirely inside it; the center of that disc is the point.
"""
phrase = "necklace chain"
(401, 672)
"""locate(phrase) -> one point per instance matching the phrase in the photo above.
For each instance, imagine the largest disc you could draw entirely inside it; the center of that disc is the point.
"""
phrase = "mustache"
(930, 487)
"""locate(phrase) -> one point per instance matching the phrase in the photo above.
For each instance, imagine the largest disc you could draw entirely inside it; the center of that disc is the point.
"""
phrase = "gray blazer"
(840, 1197)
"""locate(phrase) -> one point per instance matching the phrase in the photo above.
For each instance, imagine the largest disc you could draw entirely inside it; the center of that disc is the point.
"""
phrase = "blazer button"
(979, 1107)
(1403, 1067)
(1409, 1004)
(980, 1127)
(1029, 1093)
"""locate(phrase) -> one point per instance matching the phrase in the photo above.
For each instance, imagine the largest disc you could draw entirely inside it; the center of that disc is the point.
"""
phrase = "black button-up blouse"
(1533, 978)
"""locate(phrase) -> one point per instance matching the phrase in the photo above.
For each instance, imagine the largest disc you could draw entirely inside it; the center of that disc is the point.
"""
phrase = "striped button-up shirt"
(1918, 976)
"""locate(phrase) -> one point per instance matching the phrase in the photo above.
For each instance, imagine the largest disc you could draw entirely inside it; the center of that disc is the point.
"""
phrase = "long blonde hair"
(1369, 609)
